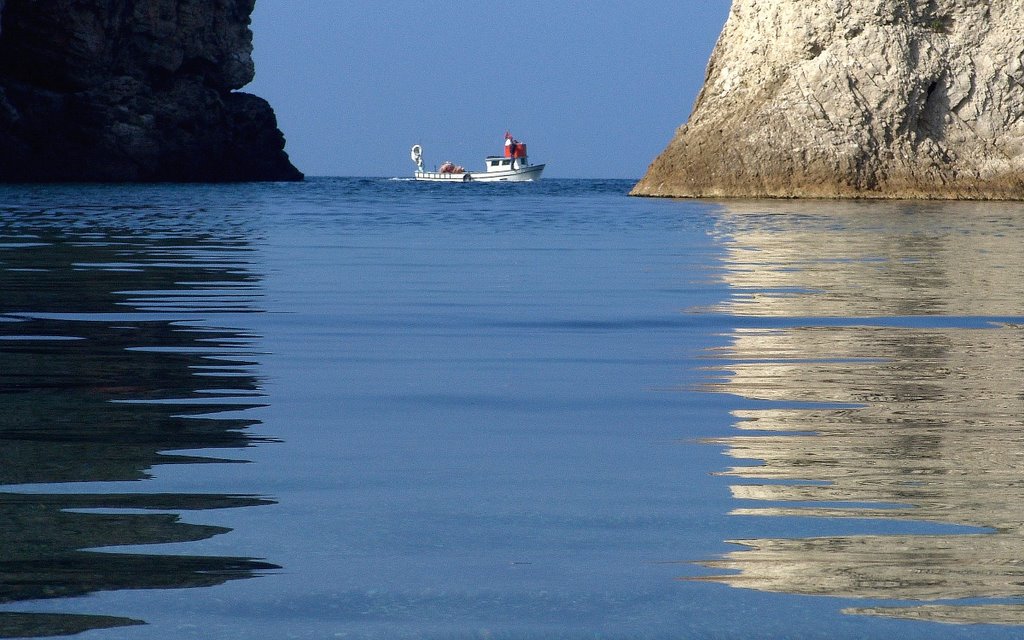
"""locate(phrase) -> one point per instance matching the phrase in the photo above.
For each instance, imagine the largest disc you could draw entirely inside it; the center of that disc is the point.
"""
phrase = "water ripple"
(917, 417)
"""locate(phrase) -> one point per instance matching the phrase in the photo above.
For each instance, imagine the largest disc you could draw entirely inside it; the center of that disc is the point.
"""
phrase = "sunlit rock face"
(115, 90)
(856, 98)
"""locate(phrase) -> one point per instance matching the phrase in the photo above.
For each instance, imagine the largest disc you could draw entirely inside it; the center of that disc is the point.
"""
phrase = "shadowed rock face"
(856, 98)
(125, 90)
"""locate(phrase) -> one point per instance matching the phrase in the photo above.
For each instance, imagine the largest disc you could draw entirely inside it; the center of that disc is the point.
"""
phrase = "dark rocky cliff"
(133, 90)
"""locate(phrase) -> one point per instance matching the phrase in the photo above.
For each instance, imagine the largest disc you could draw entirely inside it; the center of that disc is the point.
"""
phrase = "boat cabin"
(499, 163)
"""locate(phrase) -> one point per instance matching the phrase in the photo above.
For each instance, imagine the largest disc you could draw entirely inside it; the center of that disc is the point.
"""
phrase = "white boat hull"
(524, 174)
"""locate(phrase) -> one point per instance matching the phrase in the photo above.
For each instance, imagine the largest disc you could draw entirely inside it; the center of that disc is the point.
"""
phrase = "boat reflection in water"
(891, 358)
(98, 379)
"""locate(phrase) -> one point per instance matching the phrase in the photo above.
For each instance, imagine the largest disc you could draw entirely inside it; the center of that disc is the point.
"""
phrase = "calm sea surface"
(381, 409)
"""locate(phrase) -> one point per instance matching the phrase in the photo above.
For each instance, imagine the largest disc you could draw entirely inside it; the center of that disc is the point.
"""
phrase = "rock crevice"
(856, 98)
(122, 90)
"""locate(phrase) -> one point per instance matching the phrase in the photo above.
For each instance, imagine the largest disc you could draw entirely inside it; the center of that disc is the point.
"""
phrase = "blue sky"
(596, 89)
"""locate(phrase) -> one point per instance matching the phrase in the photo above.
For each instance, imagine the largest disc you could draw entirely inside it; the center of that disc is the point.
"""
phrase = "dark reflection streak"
(930, 426)
(92, 398)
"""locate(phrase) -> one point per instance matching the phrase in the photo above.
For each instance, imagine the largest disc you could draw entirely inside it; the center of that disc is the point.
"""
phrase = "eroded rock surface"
(132, 90)
(856, 98)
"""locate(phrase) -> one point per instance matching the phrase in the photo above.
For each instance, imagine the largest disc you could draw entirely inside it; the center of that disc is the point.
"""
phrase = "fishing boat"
(513, 166)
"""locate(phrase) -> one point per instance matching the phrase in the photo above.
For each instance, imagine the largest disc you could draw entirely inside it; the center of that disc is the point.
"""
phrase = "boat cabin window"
(494, 163)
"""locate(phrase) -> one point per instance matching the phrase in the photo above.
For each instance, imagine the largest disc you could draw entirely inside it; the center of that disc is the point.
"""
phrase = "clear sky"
(596, 88)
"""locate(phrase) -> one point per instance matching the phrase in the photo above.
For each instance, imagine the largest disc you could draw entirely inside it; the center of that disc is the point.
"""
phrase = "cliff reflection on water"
(100, 375)
(888, 370)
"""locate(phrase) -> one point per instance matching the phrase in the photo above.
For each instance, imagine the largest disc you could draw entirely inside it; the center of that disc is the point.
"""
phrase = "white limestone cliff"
(856, 98)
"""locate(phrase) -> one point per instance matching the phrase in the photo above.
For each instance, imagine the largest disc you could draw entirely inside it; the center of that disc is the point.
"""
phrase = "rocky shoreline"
(856, 99)
(114, 91)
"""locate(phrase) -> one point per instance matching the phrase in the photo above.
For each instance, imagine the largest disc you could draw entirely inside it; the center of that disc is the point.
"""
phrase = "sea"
(383, 409)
